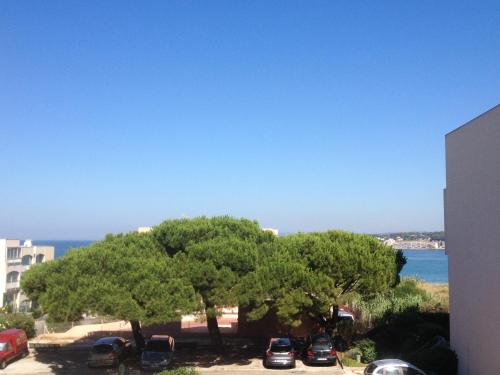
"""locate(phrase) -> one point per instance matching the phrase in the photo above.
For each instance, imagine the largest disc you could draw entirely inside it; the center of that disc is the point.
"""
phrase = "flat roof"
(474, 119)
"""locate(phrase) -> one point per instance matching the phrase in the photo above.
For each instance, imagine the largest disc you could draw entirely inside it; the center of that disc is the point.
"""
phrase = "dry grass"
(439, 291)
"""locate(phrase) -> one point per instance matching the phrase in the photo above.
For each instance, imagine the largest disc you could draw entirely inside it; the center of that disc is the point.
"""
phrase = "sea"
(62, 246)
(427, 265)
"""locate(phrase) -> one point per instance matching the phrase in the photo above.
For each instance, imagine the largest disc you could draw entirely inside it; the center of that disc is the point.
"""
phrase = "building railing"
(13, 285)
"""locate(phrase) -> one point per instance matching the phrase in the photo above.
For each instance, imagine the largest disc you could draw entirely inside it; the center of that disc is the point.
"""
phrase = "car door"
(9, 350)
(411, 371)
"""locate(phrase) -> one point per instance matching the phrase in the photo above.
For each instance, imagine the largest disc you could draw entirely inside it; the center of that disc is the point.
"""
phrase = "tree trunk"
(137, 332)
(213, 327)
(214, 332)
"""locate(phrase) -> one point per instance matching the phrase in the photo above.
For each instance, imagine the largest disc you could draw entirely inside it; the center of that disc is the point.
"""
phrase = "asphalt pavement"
(74, 363)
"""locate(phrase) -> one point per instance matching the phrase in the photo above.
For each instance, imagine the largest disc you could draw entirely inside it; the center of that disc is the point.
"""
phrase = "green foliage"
(36, 313)
(381, 307)
(351, 362)
(214, 254)
(367, 349)
(306, 274)
(179, 371)
(22, 321)
(125, 277)
(191, 265)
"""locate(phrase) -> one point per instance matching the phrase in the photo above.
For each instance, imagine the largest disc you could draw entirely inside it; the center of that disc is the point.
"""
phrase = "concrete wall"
(3, 268)
(472, 224)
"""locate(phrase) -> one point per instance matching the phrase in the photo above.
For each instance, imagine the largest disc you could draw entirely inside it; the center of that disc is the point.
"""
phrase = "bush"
(406, 296)
(36, 313)
(21, 321)
(367, 349)
(442, 361)
(179, 371)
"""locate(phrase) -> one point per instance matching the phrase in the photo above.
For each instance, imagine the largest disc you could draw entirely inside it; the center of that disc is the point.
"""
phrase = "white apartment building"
(472, 225)
(15, 258)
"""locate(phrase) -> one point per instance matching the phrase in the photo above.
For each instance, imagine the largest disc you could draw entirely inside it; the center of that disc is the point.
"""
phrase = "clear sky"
(303, 115)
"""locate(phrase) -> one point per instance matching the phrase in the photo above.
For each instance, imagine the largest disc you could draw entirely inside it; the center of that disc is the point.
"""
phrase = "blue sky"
(303, 115)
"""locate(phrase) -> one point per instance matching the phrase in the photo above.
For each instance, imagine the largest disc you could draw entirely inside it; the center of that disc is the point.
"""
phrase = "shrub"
(439, 360)
(21, 321)
(36, 313)
(179, 371)
(367, 349)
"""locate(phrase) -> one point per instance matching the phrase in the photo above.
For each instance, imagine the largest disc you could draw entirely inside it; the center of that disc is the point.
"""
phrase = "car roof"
(107, 340)
(394, 362)
(11, 331)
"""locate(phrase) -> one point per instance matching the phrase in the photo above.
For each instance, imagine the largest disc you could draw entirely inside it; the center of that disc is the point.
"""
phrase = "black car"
(320, 350)
(158, 353)
(109, 351)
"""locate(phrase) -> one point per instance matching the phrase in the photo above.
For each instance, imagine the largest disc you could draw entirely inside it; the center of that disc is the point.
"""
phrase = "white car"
(392, 367)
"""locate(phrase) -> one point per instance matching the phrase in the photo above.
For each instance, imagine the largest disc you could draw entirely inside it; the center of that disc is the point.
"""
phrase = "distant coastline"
(62, 246)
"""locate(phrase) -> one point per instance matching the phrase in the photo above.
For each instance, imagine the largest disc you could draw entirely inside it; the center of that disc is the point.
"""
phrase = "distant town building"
(389, 242)
(401, 244)
(472, 225)
(272, 230)
(15, 258)
(144, 229)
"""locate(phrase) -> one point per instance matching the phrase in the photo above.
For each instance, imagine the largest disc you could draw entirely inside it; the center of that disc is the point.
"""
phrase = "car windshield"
(278, 347)
(102, 349)
(370, 368)
(3, 346)
(158, 346)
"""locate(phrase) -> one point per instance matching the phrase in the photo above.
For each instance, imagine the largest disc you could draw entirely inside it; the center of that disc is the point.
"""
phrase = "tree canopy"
(308, 273)
(125, 276)
(215, 253)
(203, 264)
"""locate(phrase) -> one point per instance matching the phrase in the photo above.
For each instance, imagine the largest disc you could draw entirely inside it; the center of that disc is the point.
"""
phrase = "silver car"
(392, 367)
(280, 353)
(109, 351)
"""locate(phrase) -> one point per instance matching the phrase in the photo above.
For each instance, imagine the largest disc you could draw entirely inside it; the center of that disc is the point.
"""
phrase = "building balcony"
(14, 262)
(13, 285)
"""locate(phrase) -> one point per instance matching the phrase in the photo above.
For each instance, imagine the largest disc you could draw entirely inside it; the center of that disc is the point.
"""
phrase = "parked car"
(109, 351)
(158, 353)
(392, 367)
(320, 350)
(13, 344)
(280, 353)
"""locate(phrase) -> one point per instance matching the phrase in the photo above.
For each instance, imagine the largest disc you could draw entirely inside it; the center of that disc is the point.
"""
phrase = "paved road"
(74, 363)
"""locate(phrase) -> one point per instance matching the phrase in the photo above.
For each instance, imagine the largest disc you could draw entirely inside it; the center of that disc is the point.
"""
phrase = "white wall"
(472, 223)
(3, 268)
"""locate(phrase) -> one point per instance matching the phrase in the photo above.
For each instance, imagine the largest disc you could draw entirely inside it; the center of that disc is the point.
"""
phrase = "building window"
(13, 253)
(39, 258)
(13, 277)
(26, 260)
(24, 306)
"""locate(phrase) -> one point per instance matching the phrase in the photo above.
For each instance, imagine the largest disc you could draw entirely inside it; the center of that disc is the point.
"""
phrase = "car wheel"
(3, 365)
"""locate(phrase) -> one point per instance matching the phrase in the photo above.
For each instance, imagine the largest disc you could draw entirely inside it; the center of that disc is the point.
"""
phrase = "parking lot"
(74, 362)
